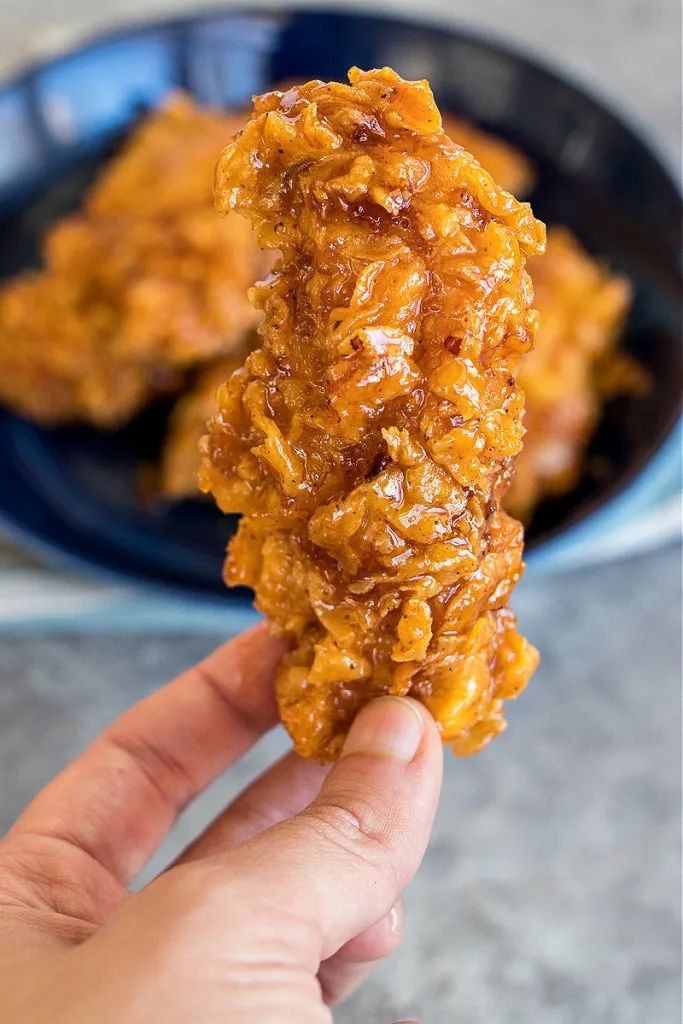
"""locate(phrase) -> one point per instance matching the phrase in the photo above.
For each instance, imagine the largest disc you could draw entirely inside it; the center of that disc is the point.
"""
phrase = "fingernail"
(396, 918)
(389, 726)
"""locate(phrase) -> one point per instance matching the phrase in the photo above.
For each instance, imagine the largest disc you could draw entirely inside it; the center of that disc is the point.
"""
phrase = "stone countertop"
(550, 893)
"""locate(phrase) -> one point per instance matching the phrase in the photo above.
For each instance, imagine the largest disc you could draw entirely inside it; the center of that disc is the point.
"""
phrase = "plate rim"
(64, 556)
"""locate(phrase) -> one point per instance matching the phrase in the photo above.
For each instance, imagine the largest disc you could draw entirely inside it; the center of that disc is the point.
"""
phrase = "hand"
(276, 912)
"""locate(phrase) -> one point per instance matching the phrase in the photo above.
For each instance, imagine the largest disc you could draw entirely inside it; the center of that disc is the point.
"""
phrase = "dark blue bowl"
(73, 492)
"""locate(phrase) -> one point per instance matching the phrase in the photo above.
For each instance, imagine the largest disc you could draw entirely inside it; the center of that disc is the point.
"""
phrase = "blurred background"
(614, 46)
(550, 893)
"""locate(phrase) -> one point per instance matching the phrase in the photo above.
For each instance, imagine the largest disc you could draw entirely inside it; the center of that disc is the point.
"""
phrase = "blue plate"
(73, 492)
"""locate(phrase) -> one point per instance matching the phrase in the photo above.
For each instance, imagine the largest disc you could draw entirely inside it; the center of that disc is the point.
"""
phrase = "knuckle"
(351, 822)
(20, 877)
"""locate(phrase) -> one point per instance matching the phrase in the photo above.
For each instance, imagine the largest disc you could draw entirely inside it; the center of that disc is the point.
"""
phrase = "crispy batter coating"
(368, 442)
(144, 282)
(506, 164)
(180, 458)
(187, 423)
(581, 310)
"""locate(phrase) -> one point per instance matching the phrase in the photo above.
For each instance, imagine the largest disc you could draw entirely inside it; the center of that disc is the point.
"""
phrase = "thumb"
(344, 860)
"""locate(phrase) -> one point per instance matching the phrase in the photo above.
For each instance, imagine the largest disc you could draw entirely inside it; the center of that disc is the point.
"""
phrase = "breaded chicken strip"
(369, 442)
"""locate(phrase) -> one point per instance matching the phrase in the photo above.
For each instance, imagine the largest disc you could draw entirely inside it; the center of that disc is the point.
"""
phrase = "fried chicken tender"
(180, 458)
(506, 164)
(581, 310)
(143, 283)
(369, 441)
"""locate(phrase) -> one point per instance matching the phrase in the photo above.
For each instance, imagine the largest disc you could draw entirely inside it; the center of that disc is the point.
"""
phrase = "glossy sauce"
(370, 440)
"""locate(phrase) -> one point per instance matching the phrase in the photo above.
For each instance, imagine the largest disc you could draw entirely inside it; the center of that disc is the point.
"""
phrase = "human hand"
(272, 915)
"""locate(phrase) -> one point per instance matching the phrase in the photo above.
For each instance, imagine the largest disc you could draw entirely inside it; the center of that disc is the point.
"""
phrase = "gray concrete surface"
(550, 893)
(551, 890)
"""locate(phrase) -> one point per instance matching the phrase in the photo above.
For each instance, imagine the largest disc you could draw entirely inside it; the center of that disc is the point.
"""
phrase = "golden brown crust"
(180, 457)
(369, 441)
(143, 283)
(581, 310)
(507, 165)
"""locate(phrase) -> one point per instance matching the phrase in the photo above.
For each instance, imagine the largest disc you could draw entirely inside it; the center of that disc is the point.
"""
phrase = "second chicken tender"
(143, 283)
(369, 441)
(506, 164)
(180, 455)
(581, 308)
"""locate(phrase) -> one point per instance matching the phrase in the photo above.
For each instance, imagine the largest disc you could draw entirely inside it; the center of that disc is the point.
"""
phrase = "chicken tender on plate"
(506, 164)
(187, 423)
(143, 283)
(573, 368)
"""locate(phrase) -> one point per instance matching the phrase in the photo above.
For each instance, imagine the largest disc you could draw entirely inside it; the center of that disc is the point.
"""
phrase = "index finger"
(118, 799)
